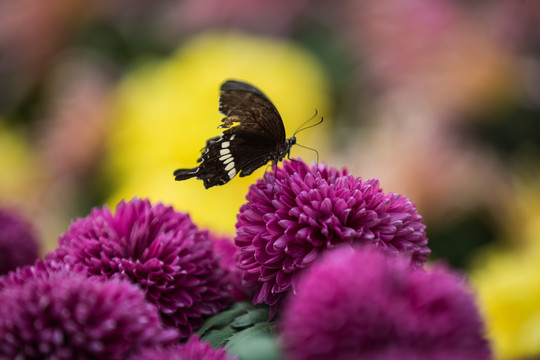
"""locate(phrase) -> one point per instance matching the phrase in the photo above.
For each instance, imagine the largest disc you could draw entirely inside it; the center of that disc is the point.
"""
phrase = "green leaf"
(260, 348)
(245, 337)
(259, 314)
(224, 318)
(218, 338)
(235, 324)
(252, 317)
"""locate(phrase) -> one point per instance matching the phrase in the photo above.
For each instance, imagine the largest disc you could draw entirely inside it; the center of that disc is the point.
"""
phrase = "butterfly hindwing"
(234, 152)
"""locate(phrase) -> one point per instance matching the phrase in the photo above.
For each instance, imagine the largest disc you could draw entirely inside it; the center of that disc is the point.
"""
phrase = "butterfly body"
(255, 135)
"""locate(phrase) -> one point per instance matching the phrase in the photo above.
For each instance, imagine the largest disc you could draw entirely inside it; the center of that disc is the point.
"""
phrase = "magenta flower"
(157, 248)
(40, 270)
(361, 303)
(18, 244)
(298, 213)
(194, 349)
(62, 315)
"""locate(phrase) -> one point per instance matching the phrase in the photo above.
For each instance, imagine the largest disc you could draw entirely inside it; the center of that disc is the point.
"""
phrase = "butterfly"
(255, 136)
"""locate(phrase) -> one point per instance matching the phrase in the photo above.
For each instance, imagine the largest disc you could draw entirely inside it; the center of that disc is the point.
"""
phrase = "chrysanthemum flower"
(18, 244)
(194, 349)
(62, 315)
(296, 213)
(362, 303)
(157, 248)
(39, 270)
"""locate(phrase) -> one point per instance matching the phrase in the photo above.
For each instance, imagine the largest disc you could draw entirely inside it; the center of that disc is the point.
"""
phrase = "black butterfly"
(258, 136)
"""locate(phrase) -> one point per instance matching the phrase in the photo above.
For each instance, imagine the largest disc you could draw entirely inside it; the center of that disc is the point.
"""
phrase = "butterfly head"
(286, 150)
(291, 141)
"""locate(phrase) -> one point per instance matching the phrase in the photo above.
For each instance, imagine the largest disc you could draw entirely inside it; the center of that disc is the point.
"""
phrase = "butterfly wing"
(246, 106)
(254, 131)
(235, 152)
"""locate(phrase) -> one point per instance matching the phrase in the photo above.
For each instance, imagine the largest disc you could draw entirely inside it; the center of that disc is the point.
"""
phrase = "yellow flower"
(167, 110)
(509, 295)
(18, 168)
(507, 280)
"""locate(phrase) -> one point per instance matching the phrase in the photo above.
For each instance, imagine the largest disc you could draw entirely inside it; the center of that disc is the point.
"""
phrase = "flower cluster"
(135, 283)
(360, 303)
(296, 213)
(18, 244)
(157, 248)
(60, 314)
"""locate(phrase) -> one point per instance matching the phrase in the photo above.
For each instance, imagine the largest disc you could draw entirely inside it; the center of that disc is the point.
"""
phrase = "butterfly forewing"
(246, 105)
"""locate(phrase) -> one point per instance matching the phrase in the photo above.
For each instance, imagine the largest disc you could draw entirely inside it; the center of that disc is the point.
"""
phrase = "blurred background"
(439, 99)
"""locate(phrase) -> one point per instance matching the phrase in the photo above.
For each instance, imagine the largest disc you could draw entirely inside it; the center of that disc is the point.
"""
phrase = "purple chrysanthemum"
(39, 270)
(62, 315)
(157, 248)
(361, 303)
(18, 244)
(194, 349)
(295, 214)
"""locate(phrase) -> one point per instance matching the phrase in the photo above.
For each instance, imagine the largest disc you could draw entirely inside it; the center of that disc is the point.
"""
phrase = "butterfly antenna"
(301, 128)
